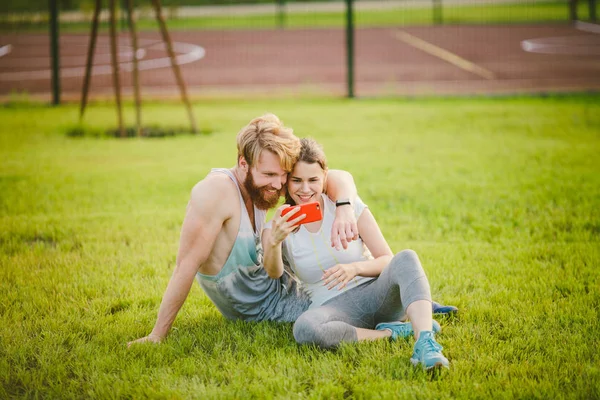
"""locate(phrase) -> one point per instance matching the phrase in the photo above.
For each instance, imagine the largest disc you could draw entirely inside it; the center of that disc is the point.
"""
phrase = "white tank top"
(309, 254)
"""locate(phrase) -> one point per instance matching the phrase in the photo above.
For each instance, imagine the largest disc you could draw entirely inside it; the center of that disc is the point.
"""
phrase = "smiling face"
(306, 182)
(265, 180)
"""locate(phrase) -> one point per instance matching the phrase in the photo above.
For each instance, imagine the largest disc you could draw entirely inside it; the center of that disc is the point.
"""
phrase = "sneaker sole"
(449, 313)
(438, 364)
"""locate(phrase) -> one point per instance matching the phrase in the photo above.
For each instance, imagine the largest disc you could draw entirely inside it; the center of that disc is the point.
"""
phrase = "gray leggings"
(383, 299)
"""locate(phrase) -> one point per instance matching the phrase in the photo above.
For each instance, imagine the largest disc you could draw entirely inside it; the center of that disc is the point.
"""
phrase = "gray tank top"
(242, 289)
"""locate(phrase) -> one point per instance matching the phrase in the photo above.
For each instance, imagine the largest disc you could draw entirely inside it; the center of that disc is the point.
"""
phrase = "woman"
(360, 293)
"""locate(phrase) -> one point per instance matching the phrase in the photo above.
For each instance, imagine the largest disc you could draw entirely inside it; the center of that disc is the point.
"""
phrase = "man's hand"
(146, 339)
(339, 274)
(344, 229)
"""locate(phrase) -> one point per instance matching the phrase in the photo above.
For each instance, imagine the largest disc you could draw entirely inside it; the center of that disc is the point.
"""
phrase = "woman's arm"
(371, 235)
(271, 238)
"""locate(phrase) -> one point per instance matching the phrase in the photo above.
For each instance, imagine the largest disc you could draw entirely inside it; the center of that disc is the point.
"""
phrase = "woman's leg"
(405, 279)
(403, 286)
(352, 315)
(419, 314)
(325, 327)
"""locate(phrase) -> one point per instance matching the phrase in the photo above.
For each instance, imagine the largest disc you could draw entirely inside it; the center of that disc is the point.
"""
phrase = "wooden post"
(115, 65)
(176, 70)
(90, 59)
(136, 83)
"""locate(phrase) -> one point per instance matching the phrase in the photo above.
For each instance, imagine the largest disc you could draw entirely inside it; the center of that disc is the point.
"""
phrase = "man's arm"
(340, 185)
(203, 221)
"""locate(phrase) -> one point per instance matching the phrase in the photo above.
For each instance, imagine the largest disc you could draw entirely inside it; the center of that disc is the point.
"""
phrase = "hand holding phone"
(312, 211)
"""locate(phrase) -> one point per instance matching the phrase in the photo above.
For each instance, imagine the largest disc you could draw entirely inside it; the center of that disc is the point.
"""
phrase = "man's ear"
(243, 163)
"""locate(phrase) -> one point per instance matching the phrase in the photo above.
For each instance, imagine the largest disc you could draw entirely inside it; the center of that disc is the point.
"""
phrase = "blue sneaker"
(428, 352)
(403, 329)
(437, 308)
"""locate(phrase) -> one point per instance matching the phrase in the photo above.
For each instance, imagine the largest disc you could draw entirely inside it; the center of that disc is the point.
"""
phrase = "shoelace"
(401, 330)
(430, 345)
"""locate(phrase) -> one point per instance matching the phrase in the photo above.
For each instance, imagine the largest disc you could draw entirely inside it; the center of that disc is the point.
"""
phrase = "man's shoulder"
(215, 188)
(215, 180)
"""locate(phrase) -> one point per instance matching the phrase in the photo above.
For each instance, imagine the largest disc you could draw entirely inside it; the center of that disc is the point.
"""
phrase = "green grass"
(500, 198)
(472, 14)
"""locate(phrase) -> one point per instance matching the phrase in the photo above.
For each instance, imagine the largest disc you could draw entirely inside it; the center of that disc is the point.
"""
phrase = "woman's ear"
(325, 182)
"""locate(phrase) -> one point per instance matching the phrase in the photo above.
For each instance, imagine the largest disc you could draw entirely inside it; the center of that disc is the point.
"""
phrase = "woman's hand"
(282, 226)
(339, 274)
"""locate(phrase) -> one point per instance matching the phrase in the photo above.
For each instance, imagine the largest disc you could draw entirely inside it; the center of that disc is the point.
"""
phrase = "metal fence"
(384, 47)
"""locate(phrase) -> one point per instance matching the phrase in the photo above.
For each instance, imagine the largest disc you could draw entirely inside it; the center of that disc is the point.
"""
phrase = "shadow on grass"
(80, 131)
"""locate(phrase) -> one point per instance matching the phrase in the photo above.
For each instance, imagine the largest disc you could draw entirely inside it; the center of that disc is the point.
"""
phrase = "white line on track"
(587, 27)
(443, 54)
(190, 53)
(572, 45)
(4, 50)
(587, 45)
(124, 54)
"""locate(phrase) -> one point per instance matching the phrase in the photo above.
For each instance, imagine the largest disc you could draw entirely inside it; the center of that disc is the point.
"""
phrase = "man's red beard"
(262, 199)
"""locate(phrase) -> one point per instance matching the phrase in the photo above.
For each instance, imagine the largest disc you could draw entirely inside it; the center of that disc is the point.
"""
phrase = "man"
(220, 236)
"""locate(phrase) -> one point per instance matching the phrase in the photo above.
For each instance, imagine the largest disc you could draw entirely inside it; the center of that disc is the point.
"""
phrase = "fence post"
(592, 9)
(437, 12)
(281, 14)
(54, 50)
(573, 10)
(350, 47)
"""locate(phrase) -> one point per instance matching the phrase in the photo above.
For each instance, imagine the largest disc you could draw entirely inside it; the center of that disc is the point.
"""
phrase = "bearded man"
(220, 236)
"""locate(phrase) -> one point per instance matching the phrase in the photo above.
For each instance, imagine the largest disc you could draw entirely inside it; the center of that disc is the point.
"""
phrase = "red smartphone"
(312, 211)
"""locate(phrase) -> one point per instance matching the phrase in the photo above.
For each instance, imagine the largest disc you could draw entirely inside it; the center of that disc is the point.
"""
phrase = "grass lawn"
(500, 197)
(452, 14)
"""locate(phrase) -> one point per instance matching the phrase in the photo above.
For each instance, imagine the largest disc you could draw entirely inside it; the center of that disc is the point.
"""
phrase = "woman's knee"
(309, 329)
(306, 329)
(406, 256)
(406, 259)
(405, 265)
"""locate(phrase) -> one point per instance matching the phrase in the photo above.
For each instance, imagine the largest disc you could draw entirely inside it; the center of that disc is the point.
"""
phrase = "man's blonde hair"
(268, 133)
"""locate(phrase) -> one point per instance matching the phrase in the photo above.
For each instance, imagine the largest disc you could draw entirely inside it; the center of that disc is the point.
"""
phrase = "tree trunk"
(136, 83)
(90, 59)
(178, 77)
(115, 65)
